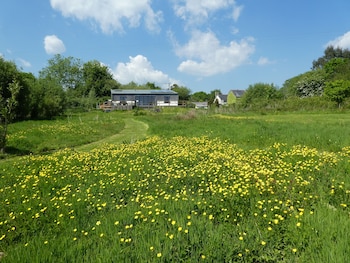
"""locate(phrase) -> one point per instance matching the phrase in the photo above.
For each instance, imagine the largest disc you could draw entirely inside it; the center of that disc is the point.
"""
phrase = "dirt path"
(133, 130)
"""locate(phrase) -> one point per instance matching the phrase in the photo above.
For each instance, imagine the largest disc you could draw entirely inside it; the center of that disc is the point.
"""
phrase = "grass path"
(134, 130)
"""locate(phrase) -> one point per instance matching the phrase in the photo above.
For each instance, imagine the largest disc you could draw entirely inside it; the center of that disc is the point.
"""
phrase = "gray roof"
(238, 93)
(223, 97)
(142, 92)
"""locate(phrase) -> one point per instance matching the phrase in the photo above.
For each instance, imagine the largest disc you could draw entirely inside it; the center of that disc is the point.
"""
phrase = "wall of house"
(146, 100)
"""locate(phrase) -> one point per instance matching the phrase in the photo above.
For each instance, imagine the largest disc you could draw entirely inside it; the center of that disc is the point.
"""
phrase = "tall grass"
(202, 188)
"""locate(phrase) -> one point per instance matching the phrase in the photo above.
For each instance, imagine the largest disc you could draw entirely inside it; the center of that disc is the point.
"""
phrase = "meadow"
(201, 187)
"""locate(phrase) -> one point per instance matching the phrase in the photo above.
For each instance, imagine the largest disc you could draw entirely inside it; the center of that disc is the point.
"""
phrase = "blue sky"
(201, 44)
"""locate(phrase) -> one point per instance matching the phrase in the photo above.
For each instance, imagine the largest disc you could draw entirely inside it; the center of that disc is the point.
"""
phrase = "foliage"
(259, 93)
(98, 78)
(290, 87)
(329, 54)
(183, 92)
(7, 112)
(311, 84)
(9, 74)
(67, 71)
(338, 90)
(337, 69)
(334, 65)
(48, 99)
(199, 96)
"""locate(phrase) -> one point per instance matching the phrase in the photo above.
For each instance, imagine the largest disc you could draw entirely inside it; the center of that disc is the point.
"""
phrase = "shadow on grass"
(13, 151)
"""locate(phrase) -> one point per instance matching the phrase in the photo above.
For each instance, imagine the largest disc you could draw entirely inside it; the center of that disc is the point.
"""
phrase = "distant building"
(144, 98)
(230, 98)
(200, 105)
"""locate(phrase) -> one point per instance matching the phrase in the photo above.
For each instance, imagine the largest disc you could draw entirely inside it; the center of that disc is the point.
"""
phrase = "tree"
(337, 90)
(130, 85)
(66, 71)
(151, 85)
(337, 68)
(8, 74)
(200, 96)
(259, 93)
(290, 87)
(48, 99)
(183, 92)
(330, 53)
(7, 111)
(98, 77)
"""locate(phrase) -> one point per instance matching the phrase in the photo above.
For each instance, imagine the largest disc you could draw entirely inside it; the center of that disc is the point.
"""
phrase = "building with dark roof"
(144, 98)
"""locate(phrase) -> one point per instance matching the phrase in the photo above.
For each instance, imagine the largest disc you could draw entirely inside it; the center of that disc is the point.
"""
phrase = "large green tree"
(67, 71)
(48, 99)
(97, 77)
(259, 94)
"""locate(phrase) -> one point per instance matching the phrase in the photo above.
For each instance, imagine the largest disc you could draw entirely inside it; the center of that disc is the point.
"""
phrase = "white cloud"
(197, 11)
(53, 45)
(264, 61)
(141, 71)
(206, 56)
(110, 14)
(341, 42)
(237, 10)
(24, 63)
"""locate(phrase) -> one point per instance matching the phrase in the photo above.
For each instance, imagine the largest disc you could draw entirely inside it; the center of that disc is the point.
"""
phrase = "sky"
(203, 45)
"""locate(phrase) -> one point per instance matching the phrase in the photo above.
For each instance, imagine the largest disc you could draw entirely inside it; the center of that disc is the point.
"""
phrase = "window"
(166, 99)
(123, 100)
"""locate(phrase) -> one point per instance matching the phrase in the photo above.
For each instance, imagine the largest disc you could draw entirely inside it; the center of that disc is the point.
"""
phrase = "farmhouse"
(229, 98)
(144, 98)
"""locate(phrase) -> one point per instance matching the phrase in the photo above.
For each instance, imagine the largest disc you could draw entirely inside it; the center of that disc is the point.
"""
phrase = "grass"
(200, 188)
(330, 131)
(69, 131)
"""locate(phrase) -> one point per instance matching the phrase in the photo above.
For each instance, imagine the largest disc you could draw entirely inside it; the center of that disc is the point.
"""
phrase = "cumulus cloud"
(206, 56)
(110, 14)
(53, 45)
(141, 71)
(341, 42)
(197, 11)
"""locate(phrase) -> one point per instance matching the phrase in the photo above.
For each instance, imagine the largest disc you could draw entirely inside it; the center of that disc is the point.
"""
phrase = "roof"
(142, 92)
(223, 97)
(238, 93)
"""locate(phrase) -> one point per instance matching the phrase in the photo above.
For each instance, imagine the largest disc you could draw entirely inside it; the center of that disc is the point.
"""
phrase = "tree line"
(326, 83)
(67, 82)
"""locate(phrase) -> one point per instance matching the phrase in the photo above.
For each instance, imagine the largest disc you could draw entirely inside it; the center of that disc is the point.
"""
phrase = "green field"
(177, 186)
